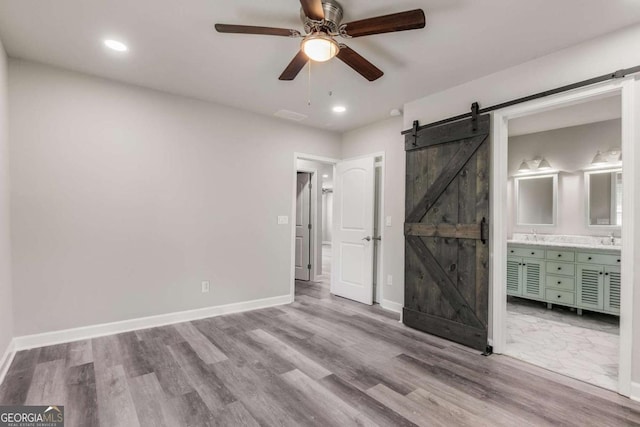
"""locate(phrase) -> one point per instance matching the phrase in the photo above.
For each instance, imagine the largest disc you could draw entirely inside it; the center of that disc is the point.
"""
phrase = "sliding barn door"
(446, 224)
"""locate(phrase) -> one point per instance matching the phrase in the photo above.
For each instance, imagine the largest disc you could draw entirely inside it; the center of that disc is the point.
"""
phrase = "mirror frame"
(554, 214)
(587, 197)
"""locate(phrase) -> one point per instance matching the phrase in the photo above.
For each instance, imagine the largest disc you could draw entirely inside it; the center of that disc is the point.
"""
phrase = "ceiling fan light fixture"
(320, 47)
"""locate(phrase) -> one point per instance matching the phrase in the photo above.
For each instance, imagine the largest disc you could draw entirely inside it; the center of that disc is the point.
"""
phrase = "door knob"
(368, 238)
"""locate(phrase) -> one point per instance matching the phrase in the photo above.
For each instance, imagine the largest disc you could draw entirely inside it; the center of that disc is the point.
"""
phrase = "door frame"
(629, 90)
(314, 228)
(313, 181)
(313, 220)
(329, 160)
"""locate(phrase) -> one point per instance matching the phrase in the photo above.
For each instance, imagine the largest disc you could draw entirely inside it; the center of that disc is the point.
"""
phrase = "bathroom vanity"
(581, 275)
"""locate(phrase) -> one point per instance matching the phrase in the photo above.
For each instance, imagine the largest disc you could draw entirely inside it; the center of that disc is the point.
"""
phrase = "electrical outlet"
(205, 286)
(283, 219)
(389, 280)
(387, 221)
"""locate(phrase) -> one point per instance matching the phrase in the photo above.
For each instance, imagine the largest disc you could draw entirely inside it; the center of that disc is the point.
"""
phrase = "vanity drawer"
(566, 256)
(526, 252)
(560, 282)
(560, 297)
(603, 259)
(562, 268)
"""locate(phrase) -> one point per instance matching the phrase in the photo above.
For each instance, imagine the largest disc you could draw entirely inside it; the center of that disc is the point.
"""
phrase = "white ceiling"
(600, 110)
(174, 48)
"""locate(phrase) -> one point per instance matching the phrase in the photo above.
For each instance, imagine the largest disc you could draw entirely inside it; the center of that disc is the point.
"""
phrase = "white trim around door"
(629, 90)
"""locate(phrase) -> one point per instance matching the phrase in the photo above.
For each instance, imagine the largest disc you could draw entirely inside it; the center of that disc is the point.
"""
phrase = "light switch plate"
(387, 221)
(283, 219)
(389, 280)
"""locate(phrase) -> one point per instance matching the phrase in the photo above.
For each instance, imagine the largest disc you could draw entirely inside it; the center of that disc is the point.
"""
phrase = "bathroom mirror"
(604, 198)
(536, 200)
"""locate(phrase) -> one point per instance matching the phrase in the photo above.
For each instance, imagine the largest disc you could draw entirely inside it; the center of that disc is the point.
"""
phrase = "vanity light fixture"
(339, 109)
(598, 159)
(544, 164)
(534, 165)
(611, 156)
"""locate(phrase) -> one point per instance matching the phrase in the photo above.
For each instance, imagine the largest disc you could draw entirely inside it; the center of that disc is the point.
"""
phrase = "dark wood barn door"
(446, 229)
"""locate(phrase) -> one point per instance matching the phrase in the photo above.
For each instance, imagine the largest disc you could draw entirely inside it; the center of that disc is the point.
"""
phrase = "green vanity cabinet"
(525, 277)
(599, 281)
(581, 278)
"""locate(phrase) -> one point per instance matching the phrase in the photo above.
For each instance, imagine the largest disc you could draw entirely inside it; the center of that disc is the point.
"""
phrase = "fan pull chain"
(309, 86)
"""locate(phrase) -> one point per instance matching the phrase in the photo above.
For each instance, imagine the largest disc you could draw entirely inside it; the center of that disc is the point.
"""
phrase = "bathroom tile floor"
(582, 347)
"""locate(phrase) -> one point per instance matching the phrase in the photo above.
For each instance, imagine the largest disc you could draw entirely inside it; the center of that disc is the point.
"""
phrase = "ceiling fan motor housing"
(332, 18)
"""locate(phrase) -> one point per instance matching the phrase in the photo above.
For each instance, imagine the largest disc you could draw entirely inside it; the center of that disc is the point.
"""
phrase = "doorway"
(560, 276)
(337, 265)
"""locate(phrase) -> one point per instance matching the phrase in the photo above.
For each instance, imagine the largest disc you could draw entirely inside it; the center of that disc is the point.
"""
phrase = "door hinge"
(309, 226)
(309, 266)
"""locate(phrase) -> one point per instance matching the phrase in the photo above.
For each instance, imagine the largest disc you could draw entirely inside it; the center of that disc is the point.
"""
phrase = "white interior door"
(353, 208)
(303, 233)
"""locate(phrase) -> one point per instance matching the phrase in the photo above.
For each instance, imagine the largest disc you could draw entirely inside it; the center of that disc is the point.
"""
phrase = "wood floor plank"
(327, 405)
(15, 387)
(79, 353)
(376, 411)
(152, 405)
(299, 360)
(107, 351)
(81, 402)
(135, 359)
(415, 412)
(208, 352)
(116, 406)
(235, 414)
(215, 394)
(48, 384)
(192, 411)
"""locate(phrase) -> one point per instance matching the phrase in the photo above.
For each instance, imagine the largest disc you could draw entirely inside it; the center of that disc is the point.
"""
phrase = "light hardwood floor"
(321, 361)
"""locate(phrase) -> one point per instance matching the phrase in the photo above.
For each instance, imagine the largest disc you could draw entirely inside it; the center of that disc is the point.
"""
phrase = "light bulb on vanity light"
(524, 167)
(544, 164)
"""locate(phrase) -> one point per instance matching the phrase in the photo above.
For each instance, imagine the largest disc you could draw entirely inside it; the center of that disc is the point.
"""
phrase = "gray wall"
(6, 316)
(569, 150)
(125, 199)
(595, 57)
(385, 136)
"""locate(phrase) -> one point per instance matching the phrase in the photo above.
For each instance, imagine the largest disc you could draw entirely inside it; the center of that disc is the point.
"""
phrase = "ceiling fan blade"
(294, 67)
(313, 9)
(409, 20)
(358, 63)
(249, 29)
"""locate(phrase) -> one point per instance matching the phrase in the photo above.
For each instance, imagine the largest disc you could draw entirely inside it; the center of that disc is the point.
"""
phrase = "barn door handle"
(368, 238)
(484, 230)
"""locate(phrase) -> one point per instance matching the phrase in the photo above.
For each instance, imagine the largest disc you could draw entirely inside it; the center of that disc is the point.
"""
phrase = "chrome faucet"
(535, 235)
(612, 238)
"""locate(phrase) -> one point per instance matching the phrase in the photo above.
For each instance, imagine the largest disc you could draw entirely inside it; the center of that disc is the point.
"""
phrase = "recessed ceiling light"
(339, 109)
(116, 45)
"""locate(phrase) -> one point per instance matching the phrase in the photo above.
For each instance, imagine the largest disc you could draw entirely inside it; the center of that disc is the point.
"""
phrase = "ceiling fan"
(322, 21)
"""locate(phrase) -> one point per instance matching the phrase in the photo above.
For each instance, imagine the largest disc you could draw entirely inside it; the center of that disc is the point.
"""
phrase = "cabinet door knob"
(559, 296)
(589, 258)
(559, 255)
(618, 260)
(606, 274)
(511, 250)
(601, 273)
(524, 264)
(559, 282)
(559, 268)
(533, 253)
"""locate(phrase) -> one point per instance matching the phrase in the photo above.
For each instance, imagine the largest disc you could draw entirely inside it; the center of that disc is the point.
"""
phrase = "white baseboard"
(6, 360)
(87, 332)
(635, 391)
(391, 306)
